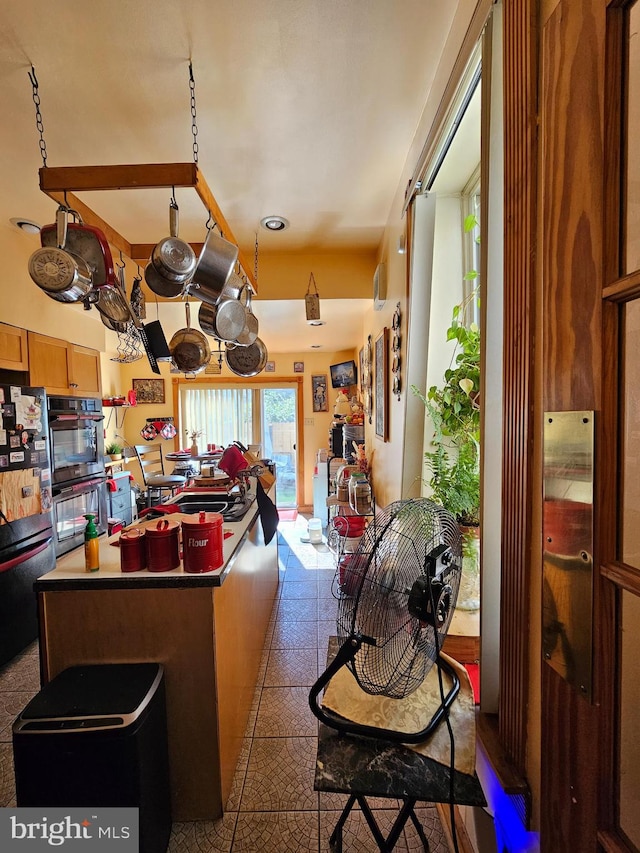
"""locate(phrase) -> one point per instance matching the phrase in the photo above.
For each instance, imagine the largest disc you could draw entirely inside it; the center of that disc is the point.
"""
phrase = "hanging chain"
(255, 263)
(39, 124)
(194, 125)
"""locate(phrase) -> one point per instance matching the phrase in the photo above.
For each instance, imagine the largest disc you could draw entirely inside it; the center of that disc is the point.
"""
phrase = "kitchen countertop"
(70, 573)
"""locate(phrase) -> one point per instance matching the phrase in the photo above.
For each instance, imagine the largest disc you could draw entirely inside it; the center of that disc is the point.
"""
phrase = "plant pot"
(115, 457)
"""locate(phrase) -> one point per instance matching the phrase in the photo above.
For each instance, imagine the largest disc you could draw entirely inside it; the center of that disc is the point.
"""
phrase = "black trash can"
(97, 736)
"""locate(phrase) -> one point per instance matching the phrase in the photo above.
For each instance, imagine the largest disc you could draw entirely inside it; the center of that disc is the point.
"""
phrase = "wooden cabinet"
(64, 368)
(14, 354)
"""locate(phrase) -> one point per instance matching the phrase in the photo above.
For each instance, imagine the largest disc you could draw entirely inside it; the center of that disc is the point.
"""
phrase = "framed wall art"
(319, 393)
(149, 390)
(298, 366)
(270, 367)
(381, 394)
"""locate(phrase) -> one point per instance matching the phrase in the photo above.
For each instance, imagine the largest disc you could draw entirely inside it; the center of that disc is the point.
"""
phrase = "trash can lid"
(94, 690)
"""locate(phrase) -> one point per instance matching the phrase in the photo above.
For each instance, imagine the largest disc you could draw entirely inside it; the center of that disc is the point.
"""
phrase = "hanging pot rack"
(61, 184)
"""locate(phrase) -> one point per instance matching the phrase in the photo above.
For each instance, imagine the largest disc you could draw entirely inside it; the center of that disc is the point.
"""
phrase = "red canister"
(202, 543)
(163, 552)
(133, 555)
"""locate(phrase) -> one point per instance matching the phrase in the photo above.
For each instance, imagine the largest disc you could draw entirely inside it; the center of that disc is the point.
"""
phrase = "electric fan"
(398, 592)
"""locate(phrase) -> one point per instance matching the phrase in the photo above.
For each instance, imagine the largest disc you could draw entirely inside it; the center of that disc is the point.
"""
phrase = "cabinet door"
(49, 363)
(64, 368)
(85, 371)
(14, 354)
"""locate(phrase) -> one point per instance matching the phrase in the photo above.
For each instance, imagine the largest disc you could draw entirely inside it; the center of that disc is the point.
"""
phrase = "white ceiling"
(305, 108)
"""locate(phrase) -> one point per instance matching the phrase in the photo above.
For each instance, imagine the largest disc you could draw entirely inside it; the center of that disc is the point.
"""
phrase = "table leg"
(335, 842)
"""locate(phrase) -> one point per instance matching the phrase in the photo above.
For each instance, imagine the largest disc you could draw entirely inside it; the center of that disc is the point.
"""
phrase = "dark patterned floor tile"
(298, 610)
(295, 635)
(356, 835)
(7, 778)
(11, 704)
(334, 802)
(233, 802)
(291, 667)
(276, 832)
(22, 673)
(327, 609)
(214, 836)
(300, 589)
(326, 629)
(280, 775)
(284, 711)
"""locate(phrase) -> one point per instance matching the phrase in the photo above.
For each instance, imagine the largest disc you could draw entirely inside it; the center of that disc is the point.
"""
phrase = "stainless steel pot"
(61, 274)
(247, 361)
(189, 348)
(160, 285)
(249, 333)
(112, 304)
(224, 321)
(214, 268)
(174, 259)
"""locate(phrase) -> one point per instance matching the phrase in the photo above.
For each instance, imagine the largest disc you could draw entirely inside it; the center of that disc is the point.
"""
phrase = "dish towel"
(268, 513)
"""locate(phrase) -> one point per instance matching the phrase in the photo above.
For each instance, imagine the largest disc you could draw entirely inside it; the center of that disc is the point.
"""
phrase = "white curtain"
(222, 415)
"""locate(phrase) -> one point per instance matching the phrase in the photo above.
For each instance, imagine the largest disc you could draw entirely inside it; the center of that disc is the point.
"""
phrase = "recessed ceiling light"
(274, 223)
(316, 322)
(27, 225)
(316, 346)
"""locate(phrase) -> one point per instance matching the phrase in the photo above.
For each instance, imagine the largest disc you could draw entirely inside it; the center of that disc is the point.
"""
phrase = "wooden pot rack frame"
(62, 182)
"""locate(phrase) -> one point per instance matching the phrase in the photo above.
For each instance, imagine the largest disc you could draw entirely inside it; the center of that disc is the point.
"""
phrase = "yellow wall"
(338, 275)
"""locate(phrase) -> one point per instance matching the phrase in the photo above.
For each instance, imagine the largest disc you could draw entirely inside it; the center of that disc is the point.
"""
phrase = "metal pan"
(249, 333)
(247, 361)
(214, 268)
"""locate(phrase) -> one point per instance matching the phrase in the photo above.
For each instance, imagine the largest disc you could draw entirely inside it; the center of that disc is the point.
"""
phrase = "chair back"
(150, 459)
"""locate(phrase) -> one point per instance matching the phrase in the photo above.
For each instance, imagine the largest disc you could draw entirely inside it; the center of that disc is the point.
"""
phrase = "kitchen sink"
(231, 509)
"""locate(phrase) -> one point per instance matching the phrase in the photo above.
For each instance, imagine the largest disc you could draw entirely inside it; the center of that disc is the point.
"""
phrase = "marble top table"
(367, 767)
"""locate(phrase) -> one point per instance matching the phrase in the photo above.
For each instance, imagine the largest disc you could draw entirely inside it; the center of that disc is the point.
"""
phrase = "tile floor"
(273, 807)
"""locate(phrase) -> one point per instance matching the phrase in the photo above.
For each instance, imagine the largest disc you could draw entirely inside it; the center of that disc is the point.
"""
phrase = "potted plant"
(453, 463)
(113, 451)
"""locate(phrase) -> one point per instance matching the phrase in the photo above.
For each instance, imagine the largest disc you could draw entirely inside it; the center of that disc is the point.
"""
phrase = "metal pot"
(224, 321)
(174, 259)
(247, 361)
(250, 331)
(214, 268)
(189, 348)
(160, 285)
(61, 274)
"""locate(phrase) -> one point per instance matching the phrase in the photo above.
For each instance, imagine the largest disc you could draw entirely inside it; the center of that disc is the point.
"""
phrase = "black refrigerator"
(26, 530)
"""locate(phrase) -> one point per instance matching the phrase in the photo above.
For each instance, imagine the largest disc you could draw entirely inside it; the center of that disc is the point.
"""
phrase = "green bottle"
(91, 545)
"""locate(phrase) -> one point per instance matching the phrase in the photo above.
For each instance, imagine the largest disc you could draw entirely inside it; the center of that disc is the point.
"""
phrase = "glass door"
(279, 429)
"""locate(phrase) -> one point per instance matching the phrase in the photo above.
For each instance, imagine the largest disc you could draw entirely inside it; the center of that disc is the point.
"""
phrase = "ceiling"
(305, 109)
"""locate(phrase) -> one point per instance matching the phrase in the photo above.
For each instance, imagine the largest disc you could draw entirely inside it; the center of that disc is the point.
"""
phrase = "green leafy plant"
(113, 449)
(453, 464)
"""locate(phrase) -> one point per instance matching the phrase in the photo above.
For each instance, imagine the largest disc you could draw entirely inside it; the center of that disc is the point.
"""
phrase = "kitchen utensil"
(174, 259)
(189, 348)
(112, 304)
(138, 324)
(115, 327)
(250, 331)
(86, 242)
(160, 285)
(213, 270)
(224, 321)
(61, 274)
(137, 299)
(247, 361)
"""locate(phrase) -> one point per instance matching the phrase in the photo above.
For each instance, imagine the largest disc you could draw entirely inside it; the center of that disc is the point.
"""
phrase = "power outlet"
(309, 422)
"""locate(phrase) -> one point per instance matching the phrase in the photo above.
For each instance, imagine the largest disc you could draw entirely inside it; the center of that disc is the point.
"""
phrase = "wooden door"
(85, 371)
(49, 363)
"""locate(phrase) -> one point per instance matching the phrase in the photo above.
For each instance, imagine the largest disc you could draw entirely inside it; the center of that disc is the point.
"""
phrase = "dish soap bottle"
(91, 546)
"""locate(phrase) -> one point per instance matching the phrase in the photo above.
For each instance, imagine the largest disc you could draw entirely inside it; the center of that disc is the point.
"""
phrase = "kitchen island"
(207, 630)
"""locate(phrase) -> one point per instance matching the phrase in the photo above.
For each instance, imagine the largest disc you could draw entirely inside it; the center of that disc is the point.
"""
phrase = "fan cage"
(374, 584)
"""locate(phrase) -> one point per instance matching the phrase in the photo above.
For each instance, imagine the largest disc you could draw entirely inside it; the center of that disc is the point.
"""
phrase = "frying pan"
(61, 274)
(88, 243)
(247, 361)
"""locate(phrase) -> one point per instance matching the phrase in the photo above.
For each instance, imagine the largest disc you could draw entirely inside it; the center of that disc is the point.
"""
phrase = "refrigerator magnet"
(3, 436)
(16, 457)
(14, 441)
(4, 461)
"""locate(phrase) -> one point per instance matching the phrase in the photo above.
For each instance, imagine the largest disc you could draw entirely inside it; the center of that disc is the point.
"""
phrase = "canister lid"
(203, 521)
(132, 535)
(164, 527)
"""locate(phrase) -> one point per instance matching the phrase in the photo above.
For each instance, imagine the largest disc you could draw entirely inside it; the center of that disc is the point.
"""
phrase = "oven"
(70, 505)
(78, 478)
(76, 439)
